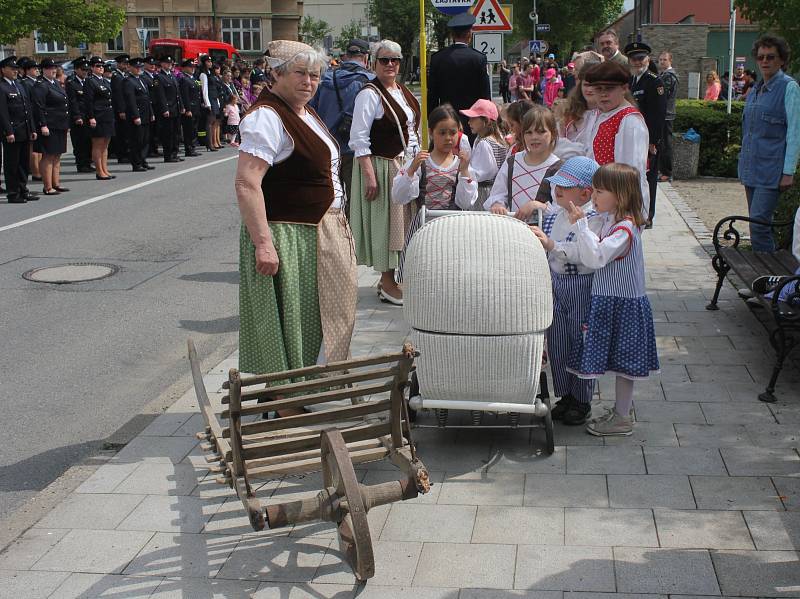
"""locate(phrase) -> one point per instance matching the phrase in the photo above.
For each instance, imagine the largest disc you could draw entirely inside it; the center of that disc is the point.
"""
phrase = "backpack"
(336, 98)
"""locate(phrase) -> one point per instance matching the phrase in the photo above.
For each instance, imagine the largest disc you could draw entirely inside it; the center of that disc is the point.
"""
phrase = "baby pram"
(478, 296)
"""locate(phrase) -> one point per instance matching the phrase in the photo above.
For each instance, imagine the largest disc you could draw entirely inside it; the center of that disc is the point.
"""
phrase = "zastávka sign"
(452, 7)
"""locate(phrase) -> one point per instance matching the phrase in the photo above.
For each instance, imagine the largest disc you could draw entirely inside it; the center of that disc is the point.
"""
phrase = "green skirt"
(280, 324)
(371, 221)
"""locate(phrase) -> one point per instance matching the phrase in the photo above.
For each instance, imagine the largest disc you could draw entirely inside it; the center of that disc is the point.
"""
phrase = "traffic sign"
(542, 28)
(451, 7)
(489, 16)
(491, 44)
(142, 33)
(537, 46)
(532, 15)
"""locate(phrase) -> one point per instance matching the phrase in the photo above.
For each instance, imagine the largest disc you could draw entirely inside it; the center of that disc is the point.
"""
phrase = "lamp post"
(732, 51)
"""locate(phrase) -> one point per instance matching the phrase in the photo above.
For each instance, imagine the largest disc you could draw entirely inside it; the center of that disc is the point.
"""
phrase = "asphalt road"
(79, 361)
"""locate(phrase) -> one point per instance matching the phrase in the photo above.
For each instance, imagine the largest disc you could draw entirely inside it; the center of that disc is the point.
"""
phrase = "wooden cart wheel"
(550, 446)
(355, 541)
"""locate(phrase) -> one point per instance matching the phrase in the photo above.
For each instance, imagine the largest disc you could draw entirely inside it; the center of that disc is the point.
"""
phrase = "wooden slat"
(313, 399)
(332, 415)
(311, 453)
(320, 383)
(320, 369)
(312, 465)
(312, 441)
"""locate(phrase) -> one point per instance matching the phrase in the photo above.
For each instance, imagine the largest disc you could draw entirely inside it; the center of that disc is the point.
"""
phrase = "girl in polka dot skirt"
(619, 336)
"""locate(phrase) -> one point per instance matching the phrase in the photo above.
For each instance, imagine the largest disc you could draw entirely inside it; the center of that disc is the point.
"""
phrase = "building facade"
(246, 24)
(339, 15)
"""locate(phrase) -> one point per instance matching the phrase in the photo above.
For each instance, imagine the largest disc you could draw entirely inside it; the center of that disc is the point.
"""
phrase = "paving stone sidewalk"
(703, 499)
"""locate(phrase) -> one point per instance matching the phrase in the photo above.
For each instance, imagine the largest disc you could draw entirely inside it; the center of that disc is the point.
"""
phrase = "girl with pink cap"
(489, 149)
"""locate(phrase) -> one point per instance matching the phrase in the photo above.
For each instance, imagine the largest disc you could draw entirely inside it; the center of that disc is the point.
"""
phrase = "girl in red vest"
(615, 131)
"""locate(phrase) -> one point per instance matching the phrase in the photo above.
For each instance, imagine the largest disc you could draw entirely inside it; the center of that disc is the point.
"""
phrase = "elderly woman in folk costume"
(386, 119)
(298, 286)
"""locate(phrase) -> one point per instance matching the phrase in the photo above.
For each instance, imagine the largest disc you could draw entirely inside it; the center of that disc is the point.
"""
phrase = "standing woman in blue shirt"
(770, 137)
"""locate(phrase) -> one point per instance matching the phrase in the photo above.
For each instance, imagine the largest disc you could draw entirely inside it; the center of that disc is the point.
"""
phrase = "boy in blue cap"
(572, 286)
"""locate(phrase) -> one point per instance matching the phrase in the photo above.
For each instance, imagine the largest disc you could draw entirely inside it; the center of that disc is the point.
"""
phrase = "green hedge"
(720, 134)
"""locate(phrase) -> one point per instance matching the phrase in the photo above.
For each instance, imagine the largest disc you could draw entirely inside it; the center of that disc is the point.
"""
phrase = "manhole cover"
(62, 274)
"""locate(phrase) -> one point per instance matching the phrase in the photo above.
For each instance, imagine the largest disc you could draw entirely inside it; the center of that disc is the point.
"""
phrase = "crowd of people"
(132, 111)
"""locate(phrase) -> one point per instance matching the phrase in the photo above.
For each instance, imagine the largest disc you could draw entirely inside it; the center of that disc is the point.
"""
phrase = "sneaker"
(607, 412)
(613, 425)
(562, 406)
(577, 414)
(766, 284)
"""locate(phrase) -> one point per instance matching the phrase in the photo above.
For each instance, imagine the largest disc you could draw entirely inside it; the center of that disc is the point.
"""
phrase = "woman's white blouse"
(265, 137)
(367, 109)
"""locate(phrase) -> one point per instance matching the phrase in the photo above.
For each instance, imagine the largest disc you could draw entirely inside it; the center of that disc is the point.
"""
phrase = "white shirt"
(405, 188)
(525, 186)
(560, 234)
(265, 137)
(594, 247)
(368, 108)
(482, 161)
(631, 145)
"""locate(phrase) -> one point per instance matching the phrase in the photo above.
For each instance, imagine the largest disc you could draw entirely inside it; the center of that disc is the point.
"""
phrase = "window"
(242, 33)
(186, 27)
(152, 26)
(43, 47)
(115, 44)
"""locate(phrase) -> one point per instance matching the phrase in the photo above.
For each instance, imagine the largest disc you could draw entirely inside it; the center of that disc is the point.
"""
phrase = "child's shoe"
(562, 406)
(611, 425)
(577, 413)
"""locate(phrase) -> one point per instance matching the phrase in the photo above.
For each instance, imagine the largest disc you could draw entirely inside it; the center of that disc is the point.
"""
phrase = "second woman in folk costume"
(386, 119)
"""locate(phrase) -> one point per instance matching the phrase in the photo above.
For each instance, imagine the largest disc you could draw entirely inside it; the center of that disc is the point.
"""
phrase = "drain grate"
(75, 272)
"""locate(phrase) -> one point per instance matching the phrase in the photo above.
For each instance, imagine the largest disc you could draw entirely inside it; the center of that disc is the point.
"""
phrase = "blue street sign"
(537, 46)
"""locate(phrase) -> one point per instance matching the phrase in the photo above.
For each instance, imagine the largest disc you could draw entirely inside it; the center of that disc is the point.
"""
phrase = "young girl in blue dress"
(619, 337)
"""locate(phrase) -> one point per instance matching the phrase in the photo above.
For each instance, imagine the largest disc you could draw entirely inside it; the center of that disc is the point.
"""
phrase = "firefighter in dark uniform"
(648, 89)
(458, 74)
(192, 100)
(29, 75)
(17, 130)
(149, 74)
(119, 143)
(79, 131)
(168, 107)
(139, 113)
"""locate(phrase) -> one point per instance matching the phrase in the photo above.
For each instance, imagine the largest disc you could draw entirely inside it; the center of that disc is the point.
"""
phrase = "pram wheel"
(550, 446)
(413, 391)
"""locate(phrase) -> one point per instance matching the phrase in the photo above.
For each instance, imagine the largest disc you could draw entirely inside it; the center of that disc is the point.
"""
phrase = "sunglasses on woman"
(387, 60)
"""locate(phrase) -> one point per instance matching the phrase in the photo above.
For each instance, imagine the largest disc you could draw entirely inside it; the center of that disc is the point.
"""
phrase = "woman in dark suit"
(52, 116)
(216, 93)
(101, 117)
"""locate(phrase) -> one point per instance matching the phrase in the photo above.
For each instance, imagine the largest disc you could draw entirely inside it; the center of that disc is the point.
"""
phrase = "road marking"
(112, 194)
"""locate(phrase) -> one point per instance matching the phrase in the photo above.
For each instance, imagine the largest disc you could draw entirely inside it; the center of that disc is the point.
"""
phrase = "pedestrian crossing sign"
(490, 16)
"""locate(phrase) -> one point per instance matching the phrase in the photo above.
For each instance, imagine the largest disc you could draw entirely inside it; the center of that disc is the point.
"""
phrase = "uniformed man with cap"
(149, 74)
(119, 143)
(17, 130)
(139, 115)
(648, 89)
(168, 108)
(191, 96)
(29, 75)
(458, 74)
(79, 131)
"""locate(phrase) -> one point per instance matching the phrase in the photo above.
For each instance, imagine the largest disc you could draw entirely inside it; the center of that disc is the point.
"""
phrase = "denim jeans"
(761, 203)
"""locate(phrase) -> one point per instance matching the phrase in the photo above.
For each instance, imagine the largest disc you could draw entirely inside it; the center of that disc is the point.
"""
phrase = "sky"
(628, 4)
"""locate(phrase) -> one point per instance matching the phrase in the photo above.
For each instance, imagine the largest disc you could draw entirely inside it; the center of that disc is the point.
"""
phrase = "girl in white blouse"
(520, 185)
(489, 150)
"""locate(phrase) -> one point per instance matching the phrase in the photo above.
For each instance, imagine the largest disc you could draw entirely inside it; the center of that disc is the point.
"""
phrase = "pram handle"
(426, 214)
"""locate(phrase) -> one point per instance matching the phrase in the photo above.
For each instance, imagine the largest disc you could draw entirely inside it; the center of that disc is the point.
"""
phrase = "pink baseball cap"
(484, 108)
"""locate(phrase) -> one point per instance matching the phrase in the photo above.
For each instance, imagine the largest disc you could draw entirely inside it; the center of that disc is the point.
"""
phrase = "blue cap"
(577, 171)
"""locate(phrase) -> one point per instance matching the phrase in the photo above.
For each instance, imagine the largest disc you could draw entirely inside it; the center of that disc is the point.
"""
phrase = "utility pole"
(535, 21)
(732, 51)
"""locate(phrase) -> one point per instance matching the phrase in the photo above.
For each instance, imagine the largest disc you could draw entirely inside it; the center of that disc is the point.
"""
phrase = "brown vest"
(384, 139)
(299, 189)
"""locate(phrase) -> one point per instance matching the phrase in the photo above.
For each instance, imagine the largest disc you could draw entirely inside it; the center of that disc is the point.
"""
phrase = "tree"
(572, 22)
(313, 31)
(399, 21)
(69, 21)
(349, 32)
(779, 16)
